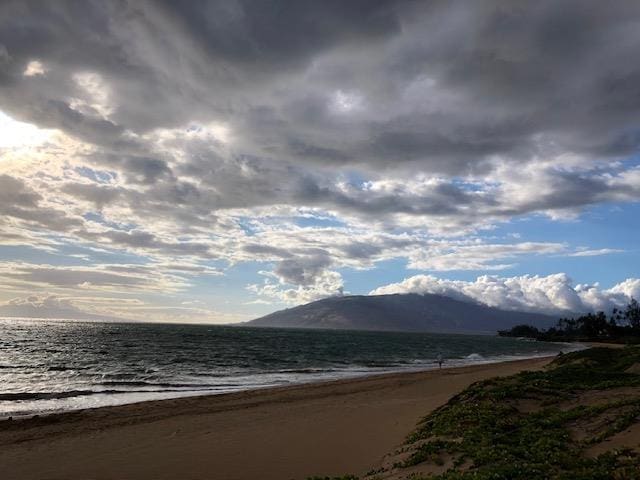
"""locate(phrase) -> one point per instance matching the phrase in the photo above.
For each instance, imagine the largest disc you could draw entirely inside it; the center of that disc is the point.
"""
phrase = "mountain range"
(401, 312)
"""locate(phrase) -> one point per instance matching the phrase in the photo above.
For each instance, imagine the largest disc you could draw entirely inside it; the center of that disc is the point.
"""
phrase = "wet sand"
(330, 428)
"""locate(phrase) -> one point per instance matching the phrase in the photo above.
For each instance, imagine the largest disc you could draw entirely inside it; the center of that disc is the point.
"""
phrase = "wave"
(475, 357)
(49, 395)
(26, 396)
(142, 383)
(306, 370)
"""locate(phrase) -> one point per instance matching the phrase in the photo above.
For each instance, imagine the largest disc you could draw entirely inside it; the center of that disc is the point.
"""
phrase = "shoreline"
(294, 431)
(451, 364)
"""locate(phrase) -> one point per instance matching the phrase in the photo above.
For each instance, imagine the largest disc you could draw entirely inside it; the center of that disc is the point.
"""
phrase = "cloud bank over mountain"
(553, 294)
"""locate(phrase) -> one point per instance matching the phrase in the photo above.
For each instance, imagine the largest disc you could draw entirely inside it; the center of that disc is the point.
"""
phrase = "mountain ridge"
(401, 312)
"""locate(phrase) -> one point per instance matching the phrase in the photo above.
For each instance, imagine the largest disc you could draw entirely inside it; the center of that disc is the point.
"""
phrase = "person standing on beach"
(440, 361)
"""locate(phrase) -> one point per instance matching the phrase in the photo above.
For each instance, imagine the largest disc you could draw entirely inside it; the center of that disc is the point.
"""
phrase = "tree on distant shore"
(620, 326)
(632, 313)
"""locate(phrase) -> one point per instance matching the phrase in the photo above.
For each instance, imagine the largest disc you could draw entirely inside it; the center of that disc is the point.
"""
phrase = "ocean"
(53, 366)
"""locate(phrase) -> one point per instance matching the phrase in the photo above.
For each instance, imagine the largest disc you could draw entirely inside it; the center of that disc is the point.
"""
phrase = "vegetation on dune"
(537, 425)
(621, 326)
(551, 424)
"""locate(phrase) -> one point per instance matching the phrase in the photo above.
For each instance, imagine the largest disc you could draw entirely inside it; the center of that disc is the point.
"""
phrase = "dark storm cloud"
(267, 250)
(271, 36)
(309, 90)
(14, 192)
(20, 202)
(140, 241)
(170, 62)
(137, 169)
(70, 277)
(548, 66)
(105, 276)
(96, 194)
(302, 270)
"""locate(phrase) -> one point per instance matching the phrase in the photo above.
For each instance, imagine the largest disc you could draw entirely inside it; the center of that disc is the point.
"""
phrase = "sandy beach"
(330, 428)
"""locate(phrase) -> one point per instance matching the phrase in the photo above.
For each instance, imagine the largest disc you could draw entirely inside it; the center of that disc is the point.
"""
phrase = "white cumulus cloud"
(552, 294)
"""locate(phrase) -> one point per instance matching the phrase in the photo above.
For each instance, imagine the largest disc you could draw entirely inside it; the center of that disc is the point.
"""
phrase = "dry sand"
(328, 428)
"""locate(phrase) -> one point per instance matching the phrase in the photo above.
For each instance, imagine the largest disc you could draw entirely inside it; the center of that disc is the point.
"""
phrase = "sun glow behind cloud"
(15, 134)
(347, 102)
(96, 93)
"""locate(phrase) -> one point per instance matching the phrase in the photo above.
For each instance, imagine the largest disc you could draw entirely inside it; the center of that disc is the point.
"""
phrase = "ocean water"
(52, 366)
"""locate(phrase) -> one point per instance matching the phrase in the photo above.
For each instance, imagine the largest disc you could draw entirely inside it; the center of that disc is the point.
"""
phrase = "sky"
(216, 161)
